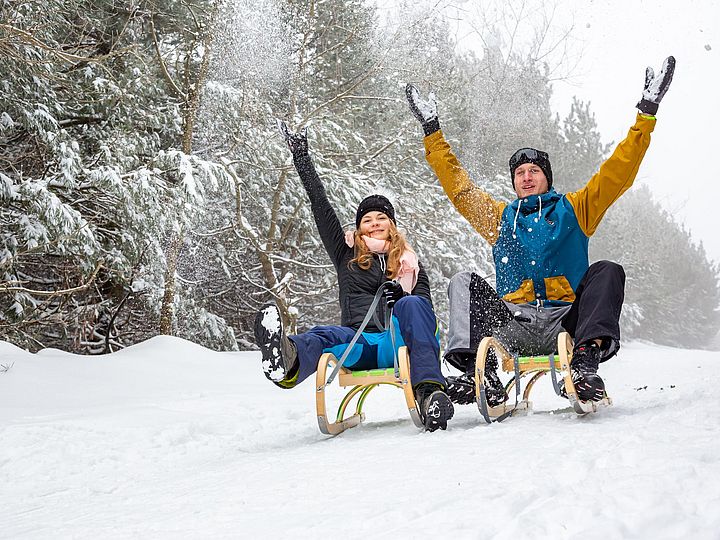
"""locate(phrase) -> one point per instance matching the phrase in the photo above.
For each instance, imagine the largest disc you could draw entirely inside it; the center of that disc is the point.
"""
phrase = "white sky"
(611, 43)
(621, 38)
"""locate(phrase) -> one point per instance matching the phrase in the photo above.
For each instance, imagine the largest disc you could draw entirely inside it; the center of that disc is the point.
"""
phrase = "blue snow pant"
(415, 326)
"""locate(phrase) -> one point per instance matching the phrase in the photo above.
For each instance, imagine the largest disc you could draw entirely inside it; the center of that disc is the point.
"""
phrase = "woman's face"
(375, 225)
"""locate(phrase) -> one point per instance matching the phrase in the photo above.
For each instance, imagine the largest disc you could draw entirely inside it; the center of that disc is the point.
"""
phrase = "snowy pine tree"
(91, 161)
(135, 173)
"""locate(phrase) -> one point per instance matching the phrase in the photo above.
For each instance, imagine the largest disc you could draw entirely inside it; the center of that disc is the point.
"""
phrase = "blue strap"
(388, 317)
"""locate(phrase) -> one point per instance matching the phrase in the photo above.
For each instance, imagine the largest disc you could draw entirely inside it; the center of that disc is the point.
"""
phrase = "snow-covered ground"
(169, 440)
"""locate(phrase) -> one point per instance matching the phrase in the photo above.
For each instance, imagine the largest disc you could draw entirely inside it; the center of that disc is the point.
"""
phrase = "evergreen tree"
(91, 160)
(672, 291)
(141, 182)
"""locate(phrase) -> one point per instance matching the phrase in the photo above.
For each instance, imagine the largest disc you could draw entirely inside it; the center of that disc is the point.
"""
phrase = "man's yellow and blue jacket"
(540, 243)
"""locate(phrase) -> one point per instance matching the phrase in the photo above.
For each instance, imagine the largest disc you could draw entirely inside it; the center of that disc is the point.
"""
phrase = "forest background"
(144, 188)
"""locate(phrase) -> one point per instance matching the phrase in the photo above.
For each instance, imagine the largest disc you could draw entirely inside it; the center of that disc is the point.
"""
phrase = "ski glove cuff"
(424, 110)
(431, 127)
(297, 142)
(656, 86)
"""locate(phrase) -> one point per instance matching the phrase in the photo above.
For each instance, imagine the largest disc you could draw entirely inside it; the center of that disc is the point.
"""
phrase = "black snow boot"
(435, 406)
(461, 389)
(494, 388)
(583, 369)
(279, 354)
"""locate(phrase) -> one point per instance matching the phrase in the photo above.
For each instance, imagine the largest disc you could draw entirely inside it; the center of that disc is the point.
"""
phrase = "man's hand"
(424, 110)
(392, 293)
(656, 86)
(297, 142)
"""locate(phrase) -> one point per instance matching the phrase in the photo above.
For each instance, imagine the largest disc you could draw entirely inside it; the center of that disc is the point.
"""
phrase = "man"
(540, 249)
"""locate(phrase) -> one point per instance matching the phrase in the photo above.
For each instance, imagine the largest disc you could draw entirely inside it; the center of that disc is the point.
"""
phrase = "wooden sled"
(533, 367)
(362, 383)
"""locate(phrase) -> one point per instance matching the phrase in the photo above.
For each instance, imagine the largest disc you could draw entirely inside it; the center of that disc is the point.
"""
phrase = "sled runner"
(362, 383)
(534, 367)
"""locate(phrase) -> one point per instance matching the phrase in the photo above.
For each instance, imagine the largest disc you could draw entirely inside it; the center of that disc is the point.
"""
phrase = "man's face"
(529, 180)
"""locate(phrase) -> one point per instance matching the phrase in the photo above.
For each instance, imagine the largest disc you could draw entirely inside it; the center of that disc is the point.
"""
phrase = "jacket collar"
(531, 204)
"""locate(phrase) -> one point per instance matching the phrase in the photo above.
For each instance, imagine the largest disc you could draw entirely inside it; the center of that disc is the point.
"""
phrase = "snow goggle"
(528, 155)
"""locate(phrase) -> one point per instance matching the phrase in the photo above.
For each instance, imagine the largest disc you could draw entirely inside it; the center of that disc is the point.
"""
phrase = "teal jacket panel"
(541, 252)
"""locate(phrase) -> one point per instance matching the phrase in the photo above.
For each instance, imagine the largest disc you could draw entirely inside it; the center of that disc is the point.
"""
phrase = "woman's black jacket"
(357, 286)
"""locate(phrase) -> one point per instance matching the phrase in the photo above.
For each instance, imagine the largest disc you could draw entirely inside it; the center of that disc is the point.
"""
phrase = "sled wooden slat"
(529, 363)
(353, 378)
(361, 383)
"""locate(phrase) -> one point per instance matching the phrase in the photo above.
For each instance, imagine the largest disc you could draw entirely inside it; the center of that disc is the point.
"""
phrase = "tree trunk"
(192, 103)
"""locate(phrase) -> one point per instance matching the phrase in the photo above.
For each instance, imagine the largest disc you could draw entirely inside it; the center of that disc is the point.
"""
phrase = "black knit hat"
(374, 203)
(530, 155)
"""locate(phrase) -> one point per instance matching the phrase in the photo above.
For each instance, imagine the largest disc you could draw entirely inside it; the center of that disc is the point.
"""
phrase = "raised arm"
(477, 206)
(614, 178)
(618, 173)
(328, 224)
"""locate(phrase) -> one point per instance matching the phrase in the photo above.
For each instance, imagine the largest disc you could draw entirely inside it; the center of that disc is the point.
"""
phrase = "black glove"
(424, 111)
(393, 292)
(655, 87)
(297, 142)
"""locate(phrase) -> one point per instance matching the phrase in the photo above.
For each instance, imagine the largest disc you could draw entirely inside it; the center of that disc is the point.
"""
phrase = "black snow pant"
(476, 311)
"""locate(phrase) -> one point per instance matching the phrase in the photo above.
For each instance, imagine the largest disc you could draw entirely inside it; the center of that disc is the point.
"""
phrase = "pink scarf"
(409, 268)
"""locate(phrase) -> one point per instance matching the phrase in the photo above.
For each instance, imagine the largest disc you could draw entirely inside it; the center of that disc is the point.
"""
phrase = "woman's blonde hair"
(398, 245)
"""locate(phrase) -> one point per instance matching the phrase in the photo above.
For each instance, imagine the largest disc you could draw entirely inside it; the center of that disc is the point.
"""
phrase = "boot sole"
(593, 390)
(438, 411)
(268, 330)
(460, 392)
(590, 392)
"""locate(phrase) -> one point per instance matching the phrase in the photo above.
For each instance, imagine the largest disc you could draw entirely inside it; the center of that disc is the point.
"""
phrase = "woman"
(366, 259)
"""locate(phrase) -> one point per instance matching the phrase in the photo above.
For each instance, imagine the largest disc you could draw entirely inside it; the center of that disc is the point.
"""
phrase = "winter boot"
(461, 388)
(434, 404)
(494, 389)
(279, 354)
(583, 369)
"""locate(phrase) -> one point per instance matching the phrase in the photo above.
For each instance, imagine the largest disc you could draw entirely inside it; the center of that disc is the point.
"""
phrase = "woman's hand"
(393, 292)
(297, 142)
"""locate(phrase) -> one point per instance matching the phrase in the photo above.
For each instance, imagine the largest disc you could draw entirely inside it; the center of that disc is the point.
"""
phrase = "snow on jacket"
(357, 286)
(540, 243)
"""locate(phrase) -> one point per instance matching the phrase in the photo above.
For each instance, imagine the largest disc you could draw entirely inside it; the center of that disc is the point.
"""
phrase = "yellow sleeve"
(478, 207)
(614, 178)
